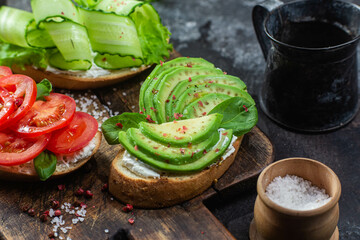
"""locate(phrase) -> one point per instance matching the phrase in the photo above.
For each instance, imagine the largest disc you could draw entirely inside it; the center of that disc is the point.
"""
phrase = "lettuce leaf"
(11, 54)
(152, 34)
(44, 88)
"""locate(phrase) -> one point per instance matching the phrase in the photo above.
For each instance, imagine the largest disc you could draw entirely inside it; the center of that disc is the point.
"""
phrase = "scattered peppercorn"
(131, 221)
(88, 194)
(79, 192)
(55, 204)
(105, 187)
(31, 212)
(128, 208)
(57, 212)
(245, 108)
(61, 187)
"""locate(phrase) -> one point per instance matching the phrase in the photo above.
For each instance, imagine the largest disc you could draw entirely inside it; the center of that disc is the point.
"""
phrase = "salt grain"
(106, 230)
(124, 93)
(296, 193)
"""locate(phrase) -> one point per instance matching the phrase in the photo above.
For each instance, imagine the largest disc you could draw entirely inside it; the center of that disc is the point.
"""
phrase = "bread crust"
(74, 81)
(166, 191)
(7, 173)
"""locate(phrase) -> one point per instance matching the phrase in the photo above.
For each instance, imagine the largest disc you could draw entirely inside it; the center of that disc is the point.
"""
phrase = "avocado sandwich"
(191, 122)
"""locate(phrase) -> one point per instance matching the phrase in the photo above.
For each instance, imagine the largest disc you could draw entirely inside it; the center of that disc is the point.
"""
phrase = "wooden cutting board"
(105, 218)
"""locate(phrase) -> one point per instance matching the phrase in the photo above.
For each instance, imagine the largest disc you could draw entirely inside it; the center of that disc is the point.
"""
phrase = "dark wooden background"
(221, 32)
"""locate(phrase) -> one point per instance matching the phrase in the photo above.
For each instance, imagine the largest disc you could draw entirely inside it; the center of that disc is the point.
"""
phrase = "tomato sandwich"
(41, 133)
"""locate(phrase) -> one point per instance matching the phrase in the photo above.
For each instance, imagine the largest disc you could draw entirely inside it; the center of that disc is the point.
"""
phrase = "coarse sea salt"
(59, 224)
(296, 193)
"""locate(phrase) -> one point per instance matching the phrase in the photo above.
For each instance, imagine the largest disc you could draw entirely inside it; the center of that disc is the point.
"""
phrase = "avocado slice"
(163, 85)
(181, 133)
(149, 108)
(200, 80)
(210, 157)
(204, 105)
(168, 82)
(196, 92)
(172, 155)
(181, 61)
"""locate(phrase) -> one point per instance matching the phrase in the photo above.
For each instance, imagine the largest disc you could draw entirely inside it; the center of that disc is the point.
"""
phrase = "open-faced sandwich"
(190, 126)
(41, 133)
(85, 45)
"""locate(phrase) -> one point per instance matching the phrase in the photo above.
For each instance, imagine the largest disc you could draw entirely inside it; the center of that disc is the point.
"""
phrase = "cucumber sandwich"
(191, 122)
(82, 44)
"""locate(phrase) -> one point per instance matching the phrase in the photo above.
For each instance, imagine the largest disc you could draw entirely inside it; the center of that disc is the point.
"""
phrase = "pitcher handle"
(259, 14)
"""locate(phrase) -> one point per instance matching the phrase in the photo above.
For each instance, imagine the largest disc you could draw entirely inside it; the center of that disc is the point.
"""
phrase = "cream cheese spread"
(138, 167)
(65, 160)
(93, 72)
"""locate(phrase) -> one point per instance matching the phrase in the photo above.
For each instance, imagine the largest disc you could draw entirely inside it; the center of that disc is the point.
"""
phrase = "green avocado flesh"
(182, 61)
(201, 80)
(207, 159)
(204, 105)
(172, 155)
(194, 93)
(181, 133)
(169, 81)
(159, 90)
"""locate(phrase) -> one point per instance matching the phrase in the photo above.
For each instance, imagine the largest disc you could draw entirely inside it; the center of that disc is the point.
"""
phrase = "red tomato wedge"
(23, 90)
(15, 150)
(74, 136)
(47, 116)
(7, 104)
(5, 71)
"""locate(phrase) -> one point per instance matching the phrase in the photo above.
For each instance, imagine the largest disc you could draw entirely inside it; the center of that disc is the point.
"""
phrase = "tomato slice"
(7, 104)
(74, 136)
(23, 90)
(47, 116)
(5, 71)
(15, 150)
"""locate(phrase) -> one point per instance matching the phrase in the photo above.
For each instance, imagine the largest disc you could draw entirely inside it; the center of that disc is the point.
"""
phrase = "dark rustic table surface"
(221, 32)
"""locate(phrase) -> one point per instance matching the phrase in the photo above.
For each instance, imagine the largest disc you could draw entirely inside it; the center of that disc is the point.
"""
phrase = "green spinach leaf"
(240, 115)
(44, 88)
(45, 165)
(112, 126)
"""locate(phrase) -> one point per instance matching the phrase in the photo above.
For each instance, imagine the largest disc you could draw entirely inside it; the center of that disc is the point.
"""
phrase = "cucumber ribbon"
(113, 34)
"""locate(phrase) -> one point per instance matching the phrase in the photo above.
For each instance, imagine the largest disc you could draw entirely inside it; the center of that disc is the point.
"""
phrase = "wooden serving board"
(105, 218)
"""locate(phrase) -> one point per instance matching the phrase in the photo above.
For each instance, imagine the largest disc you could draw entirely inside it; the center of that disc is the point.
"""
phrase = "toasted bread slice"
(77, 80)
(26, 171)
(167, 190)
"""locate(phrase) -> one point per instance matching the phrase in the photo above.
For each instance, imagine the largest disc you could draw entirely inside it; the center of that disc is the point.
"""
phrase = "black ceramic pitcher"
(311, 81)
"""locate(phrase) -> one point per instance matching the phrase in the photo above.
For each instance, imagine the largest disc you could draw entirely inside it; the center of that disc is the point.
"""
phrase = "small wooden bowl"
(271, 221)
